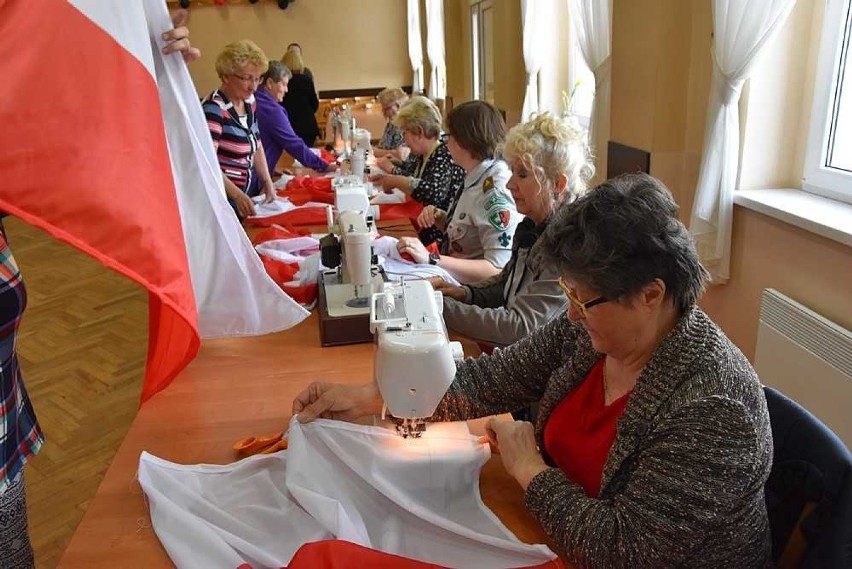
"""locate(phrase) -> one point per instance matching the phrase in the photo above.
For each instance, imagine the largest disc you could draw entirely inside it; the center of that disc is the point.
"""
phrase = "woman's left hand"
(385, 164)
(178, 38)
(515, 442)
(387, 183)
(413, 247)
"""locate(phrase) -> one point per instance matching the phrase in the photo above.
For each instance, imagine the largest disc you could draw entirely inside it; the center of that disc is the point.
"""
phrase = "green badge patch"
(500, 218)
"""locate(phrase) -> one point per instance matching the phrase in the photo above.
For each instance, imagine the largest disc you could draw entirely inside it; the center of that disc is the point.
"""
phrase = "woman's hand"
(178, 38)
(245, 207)
(332, 167)
(386, 164)
(430, 216)
(413, 247)
(515, 442)
(445, 288)
(335, 401)
(389, 183)
(269, 192)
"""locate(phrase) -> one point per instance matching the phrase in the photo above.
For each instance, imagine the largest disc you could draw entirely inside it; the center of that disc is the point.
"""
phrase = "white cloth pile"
(417, 498)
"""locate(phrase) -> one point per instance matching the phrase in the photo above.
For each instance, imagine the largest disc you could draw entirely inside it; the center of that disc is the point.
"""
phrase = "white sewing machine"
(415, 361)
(351, 194)
(349, 248)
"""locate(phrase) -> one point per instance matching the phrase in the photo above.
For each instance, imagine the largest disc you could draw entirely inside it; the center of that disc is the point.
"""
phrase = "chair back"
(809, 490)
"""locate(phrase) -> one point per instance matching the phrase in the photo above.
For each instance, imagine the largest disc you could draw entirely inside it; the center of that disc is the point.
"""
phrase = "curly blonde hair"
(238, 54)
(419, 115)
(390, 96)
(551, 146)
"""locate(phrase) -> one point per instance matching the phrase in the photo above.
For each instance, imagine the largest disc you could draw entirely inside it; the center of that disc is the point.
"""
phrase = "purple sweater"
(277, 134)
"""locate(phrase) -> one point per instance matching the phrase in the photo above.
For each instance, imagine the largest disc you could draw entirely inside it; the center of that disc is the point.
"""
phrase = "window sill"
(826, 217)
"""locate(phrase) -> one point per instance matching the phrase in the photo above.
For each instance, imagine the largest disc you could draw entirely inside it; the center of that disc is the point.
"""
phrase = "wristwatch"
(434, 258)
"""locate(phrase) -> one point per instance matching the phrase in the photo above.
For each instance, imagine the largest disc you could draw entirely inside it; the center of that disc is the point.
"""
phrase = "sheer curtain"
(741, 29)
(592, 22)
(435, 48)
(531, 13)
(415, 45)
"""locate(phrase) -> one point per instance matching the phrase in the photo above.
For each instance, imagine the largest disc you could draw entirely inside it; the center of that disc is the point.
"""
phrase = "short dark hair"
(276, 71)
(478, 127)
(621, 236)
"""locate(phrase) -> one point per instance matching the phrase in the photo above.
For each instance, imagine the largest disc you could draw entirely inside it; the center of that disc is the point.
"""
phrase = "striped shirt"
(20, 436)
(235, 141)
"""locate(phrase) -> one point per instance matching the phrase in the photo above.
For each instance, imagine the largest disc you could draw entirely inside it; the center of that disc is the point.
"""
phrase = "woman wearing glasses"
(391, 143)
(230, 113)
(652, 443)
(550, 164)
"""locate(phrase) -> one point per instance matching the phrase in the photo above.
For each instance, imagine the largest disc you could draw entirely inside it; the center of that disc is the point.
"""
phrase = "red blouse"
(581, 430)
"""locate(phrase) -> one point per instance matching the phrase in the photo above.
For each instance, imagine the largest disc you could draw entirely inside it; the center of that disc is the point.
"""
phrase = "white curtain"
(742, 29)
(531, 12)
(415, 45)
(435, 48)
(591, 20)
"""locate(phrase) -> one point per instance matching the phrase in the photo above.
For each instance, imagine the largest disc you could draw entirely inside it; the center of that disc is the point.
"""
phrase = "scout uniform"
(483, 217)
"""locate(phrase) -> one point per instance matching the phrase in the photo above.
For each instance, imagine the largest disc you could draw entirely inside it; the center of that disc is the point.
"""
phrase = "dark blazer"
(302, 103)
(683, 483)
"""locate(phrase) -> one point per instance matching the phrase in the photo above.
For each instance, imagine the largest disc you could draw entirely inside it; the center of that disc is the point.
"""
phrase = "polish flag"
(106, 148)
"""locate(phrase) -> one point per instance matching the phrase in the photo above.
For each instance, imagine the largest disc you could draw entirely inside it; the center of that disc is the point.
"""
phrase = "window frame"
(818, 178)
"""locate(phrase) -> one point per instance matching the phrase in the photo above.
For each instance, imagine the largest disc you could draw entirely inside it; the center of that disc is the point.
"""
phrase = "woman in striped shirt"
(230, 113)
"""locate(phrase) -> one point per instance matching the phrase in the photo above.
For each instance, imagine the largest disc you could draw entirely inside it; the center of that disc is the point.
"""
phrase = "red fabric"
(292, 218)
(284, 273)
(339, 554)
(101, 183)
(581, 430)
(327, 156)
(303, 189)
(431, 247)
(274, 233)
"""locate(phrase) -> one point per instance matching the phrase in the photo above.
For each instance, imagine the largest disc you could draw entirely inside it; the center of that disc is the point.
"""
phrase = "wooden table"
(236, 387)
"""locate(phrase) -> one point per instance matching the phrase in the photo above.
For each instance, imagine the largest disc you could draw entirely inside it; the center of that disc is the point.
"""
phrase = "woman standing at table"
(477, 229)
(276, 132)
(20, 435)
(429, 174)
(550, 164)
(652, 443)
(230, 112)
(301, 101)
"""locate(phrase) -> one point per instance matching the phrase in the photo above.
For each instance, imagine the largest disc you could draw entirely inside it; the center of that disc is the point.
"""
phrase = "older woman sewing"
(652, 444)
(230, 113)
(429, 174)
(550, 164)
(478, 228)
(391, 143)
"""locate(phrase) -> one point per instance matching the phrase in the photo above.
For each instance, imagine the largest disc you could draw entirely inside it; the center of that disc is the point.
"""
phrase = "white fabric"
(591, 20)
(395, 266)
(233, 294)
(742, 29)
(435, 49)
(415, 45)
(275, 207)
(534, 52)
(418, 498)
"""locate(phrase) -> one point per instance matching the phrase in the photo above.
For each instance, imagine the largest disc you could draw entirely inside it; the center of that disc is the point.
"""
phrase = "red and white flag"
(106, 148)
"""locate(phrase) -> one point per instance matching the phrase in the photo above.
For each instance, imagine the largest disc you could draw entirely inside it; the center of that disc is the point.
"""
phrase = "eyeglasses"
(581, 306)
(246, 78)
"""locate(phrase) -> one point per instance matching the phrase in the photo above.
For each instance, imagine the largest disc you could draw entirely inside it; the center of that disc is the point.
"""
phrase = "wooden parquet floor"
(82, 350)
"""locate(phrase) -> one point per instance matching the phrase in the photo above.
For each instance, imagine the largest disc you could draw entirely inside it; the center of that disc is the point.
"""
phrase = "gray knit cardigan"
(683, 483)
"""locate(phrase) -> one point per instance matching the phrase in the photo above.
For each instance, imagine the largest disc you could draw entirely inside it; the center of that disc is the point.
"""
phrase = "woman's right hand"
(445, 288)
(245, 207)
(336, 401)
(430, 216)
(385, 164)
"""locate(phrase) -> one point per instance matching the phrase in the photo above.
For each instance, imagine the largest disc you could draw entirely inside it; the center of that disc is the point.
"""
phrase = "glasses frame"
(248, 78)
(582, 307)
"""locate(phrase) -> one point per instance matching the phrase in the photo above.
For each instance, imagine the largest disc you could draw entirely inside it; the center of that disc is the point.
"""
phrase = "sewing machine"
(351, 194)
(345, 290)
(415, 361)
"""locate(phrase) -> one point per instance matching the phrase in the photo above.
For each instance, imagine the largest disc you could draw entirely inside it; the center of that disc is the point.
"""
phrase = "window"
(482, 49)
(581, 86)
(828, 158)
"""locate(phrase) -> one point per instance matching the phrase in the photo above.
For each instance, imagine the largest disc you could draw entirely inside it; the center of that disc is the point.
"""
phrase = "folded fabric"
(415, 498)
(396, 265)
(292, 261)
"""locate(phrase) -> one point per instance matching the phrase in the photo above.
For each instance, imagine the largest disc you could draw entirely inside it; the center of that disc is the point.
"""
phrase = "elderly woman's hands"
(386, 163)
(445, 288)
(335, 401)
(515, 442)
(413, 247)
(387, 183)
(245, 207)
(430, 216)
(178, 38)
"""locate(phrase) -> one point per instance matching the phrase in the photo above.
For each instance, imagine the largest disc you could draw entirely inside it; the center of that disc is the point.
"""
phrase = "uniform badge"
(500, 218)
(462, 215)
(456, 246)
(503, 239)
(488, 184)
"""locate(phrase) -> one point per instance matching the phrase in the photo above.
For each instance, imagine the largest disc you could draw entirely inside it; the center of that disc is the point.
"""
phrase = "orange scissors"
(261, 445)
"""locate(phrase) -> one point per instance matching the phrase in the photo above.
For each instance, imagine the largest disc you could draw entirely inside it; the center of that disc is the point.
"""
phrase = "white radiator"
(808, 358)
